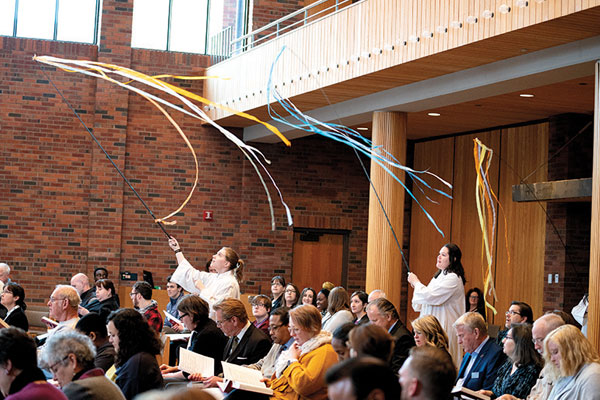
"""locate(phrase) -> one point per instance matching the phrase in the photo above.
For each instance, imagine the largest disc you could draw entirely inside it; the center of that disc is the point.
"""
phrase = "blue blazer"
(483, 373)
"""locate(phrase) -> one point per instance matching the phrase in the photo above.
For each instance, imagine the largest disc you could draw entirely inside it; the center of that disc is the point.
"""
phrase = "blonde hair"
(306, 317)
(236, 264)
(575, 351)
(472, 320)
(430, 326)
(232, 308)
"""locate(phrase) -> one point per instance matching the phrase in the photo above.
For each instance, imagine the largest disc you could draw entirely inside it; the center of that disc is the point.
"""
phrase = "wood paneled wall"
(517, 152)
(374, 36)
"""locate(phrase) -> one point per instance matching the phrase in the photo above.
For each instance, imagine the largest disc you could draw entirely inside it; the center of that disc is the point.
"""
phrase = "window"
(65, 20)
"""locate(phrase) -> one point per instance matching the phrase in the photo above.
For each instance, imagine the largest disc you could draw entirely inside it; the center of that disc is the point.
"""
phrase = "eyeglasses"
(511, 312)
(133, 293)
(53, 299)
(293, 330)
(290, 291)
(274, 327)
(276, 284)
(181, 315)
(52, 368)
(219, 323)
(258, 305)
(474, 296)
(538, 340)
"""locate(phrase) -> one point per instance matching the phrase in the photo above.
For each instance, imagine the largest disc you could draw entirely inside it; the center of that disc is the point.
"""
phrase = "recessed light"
(362, 128)
(526, 95)
(434, 114)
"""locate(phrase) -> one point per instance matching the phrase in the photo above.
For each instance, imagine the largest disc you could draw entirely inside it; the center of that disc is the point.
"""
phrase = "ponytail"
(235, 262)
(238, 271)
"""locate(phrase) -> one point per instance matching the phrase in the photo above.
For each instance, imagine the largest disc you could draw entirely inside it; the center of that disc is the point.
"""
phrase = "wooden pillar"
(594, 293)
(384, 260)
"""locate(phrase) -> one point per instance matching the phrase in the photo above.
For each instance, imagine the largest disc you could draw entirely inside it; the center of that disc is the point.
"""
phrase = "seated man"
(246, 344)
(175, 293)
(517, 313)
(62, 307)
(141, 297)
(94, 326)
(87, 294)
(362, 378)
(261, 307)
(282, 340)
(427, 374)
(483, 356)
(382, 312)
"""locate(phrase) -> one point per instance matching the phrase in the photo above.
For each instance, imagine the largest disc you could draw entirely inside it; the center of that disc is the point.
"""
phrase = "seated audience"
(338, 311)
(519, 373)
(94, 326)
(309, 296)
(21, 378)
(292, 296)
(517, 313)
(339, 340)
(572, 364)
(358, 306)
(246, 344)
(427, 374)
(300, 370)
(277, 290)
(69, 356)
(483, 357)
(382, 312)
(137, 345)
(177, 393)
(429, 332)
(261, 307)
(282, 340)
(107, 303)
(362, 378)
(206, 338)
(175, 293)
(13, 298)
(81, 283)
(371, 341)
(141, 297)
(475, 302)
(375, 294)
(62, 307)
(541, 328)
(322, 302)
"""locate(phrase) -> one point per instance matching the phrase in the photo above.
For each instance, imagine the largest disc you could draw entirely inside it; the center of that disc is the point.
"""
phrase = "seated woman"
(13, 298)
(429, 332)
(572, 364)
(291, 297)
(21, 377)
(338, 310)
(300, 370)
(206, 338)
(322, 302)
(339, 341)
(107, 302)
(261, 308)
(358, 306)
(277, 291)
(309, 296)
(371, 340)
(137, 345)
(475, 302)
(69, 355)
(521, 370)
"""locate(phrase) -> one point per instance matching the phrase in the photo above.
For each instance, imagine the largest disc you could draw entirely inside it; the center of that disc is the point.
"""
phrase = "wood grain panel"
(317, 262)
(523, 150)
(436, 156)
(384, 262)
(466, 230)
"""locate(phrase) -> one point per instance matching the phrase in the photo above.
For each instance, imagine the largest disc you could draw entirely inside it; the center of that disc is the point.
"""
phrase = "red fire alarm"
(208, 215)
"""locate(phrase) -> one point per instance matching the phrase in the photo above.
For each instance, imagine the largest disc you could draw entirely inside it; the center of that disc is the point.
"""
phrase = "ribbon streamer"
(103, 70)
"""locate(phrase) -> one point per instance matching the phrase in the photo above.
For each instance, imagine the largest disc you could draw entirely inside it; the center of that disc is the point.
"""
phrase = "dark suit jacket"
(104, 308)
(483, 373)
(19, 319)
(253, 346)
(404, 341)
(209, 341)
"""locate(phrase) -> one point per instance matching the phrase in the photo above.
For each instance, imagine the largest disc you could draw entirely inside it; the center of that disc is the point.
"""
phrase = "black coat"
(19, 319)
(253, 346)
(404, 341)
(209, 341)
(139, 374)
(104, 308)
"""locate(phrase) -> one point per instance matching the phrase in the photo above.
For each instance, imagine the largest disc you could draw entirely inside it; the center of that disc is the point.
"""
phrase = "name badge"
(475, 375)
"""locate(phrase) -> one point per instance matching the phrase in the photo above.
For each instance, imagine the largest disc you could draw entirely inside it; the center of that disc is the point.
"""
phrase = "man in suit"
(383, 313)
(246, 345)
(483, 356)
(428, 374)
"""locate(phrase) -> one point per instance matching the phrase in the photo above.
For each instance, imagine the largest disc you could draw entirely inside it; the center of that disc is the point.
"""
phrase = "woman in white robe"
(212, 287)
(444, 296)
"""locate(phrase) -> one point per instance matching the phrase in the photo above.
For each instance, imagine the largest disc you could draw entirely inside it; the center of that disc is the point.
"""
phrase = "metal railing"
(219, 45)
(253, 39)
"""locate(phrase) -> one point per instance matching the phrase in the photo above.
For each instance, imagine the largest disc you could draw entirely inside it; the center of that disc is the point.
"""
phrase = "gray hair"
(5, 268)
(69, 292)
(60, 345)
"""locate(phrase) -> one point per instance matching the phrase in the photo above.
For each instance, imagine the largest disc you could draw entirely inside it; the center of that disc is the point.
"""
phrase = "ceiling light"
(434, 114)
(362, 128)
(526, 95)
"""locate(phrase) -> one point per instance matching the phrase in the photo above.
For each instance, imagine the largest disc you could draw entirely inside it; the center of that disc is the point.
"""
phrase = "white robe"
(444, 298)
(216, 286)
